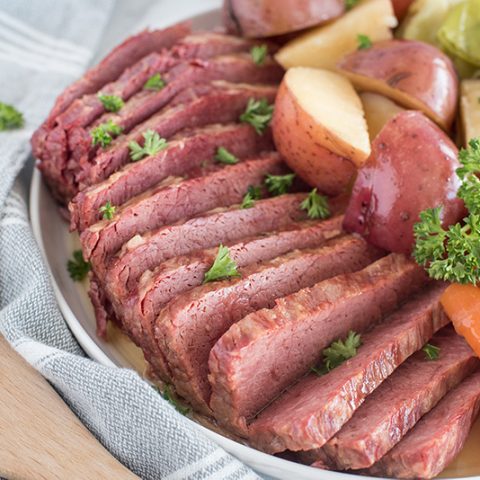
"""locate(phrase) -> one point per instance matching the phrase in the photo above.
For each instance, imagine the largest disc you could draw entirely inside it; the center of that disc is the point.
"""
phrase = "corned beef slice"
(437, 438)
(177, 159)
(167, 204)
(383, 350)
(302, 325)
(403, 398)
(218, 102)
(188, 327)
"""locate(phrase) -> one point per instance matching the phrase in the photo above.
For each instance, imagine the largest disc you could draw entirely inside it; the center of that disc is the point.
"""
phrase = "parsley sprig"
(258, 114)
(363, 41)
(431, 351)
(253, 194)
(155, 83)
(104, 133)
(224, 156)
(152, 145)
(172, 399)
(223, 267)
(316, 205)
(259, 54)
(10, 117)
(108, 210)
(453, 254)
(279, 184)
(77, 267)
(111, 103)
(338, 352)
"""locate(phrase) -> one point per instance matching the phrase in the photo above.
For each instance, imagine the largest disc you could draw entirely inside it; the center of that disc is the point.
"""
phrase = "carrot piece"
(462, 305)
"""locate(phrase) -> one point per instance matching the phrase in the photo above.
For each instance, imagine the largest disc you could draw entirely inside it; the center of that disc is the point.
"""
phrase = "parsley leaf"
(279, 184)
(155, 83)
(108, 211)
(349, 4)
(431, 351)
(253, 193)
(316, 205)
(77, 266)
(171, 398)
(258, 114)
(364, 42)
(223, 266)
(111, 103)
(224, 156)
(104, 133)
(152, 145)
(259, 54)
(341, 350)
(10, 117)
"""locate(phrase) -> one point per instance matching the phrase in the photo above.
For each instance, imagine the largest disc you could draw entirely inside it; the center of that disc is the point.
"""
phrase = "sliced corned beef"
(177, 159)
(402, 399)
(188, 327)
(437, 438)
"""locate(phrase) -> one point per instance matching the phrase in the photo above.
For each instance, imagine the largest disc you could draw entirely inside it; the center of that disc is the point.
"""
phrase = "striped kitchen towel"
(44, 45)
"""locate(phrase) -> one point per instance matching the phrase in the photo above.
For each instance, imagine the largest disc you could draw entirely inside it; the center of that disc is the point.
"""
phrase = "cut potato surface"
(324, 46)
(378, 111)
(414, 74)
(320, 129)
(470, 109)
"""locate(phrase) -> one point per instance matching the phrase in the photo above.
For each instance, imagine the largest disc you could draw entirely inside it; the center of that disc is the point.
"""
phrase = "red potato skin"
(313, 163)
(411, 168)
(400, 7)
(266, 18)
(414, 69)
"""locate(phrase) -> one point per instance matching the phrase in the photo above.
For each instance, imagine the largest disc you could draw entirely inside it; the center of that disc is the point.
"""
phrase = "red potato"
(411, 168)
(266, 18)
(414, 74)
(319, 127)
(400, 7)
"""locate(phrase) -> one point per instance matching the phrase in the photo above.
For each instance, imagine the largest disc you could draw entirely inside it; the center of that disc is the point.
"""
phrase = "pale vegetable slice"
(470, 109)
(378, 111)
(322, 47)
(320, 128)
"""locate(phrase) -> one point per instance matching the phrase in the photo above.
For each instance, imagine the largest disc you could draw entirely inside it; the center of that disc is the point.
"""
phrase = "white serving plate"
(57, 244)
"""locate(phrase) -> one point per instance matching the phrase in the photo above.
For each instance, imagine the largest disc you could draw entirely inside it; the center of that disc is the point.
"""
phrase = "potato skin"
(400, 7)
(297, 138)
(414, 74)
(265, 18)
(411, 168)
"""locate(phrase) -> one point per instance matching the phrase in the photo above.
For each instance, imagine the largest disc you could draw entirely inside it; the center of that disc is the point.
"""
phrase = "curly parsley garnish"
(431, 351)
(258, 114)
(224, 156)
(152, 145)
(338, 352)
(259, 54)
(77, 267)
(111, 103)
(279, 184)
(104, 133)
(316, 205)
(108, 210)
(155, 83)
(253, 194)
(363, 41)
(453, 254)
(223, 267)
(10, 117)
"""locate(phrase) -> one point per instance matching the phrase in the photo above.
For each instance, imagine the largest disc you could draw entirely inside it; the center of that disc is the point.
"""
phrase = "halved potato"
(378, 111)
(470, 109)
(414, 74)
(325, 45)
(265, 18)
(319, 127)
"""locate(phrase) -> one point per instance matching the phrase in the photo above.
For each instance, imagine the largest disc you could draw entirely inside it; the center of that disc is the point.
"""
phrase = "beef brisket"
(402, 399)
(203, 314)
(437, 438)
(177, 159)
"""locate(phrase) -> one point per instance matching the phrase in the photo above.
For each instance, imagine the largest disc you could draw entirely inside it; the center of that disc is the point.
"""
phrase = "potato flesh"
(333, 103)
(470, 109)
(325, 45)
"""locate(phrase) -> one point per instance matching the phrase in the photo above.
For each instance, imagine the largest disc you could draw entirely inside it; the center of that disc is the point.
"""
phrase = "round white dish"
(57, 244)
